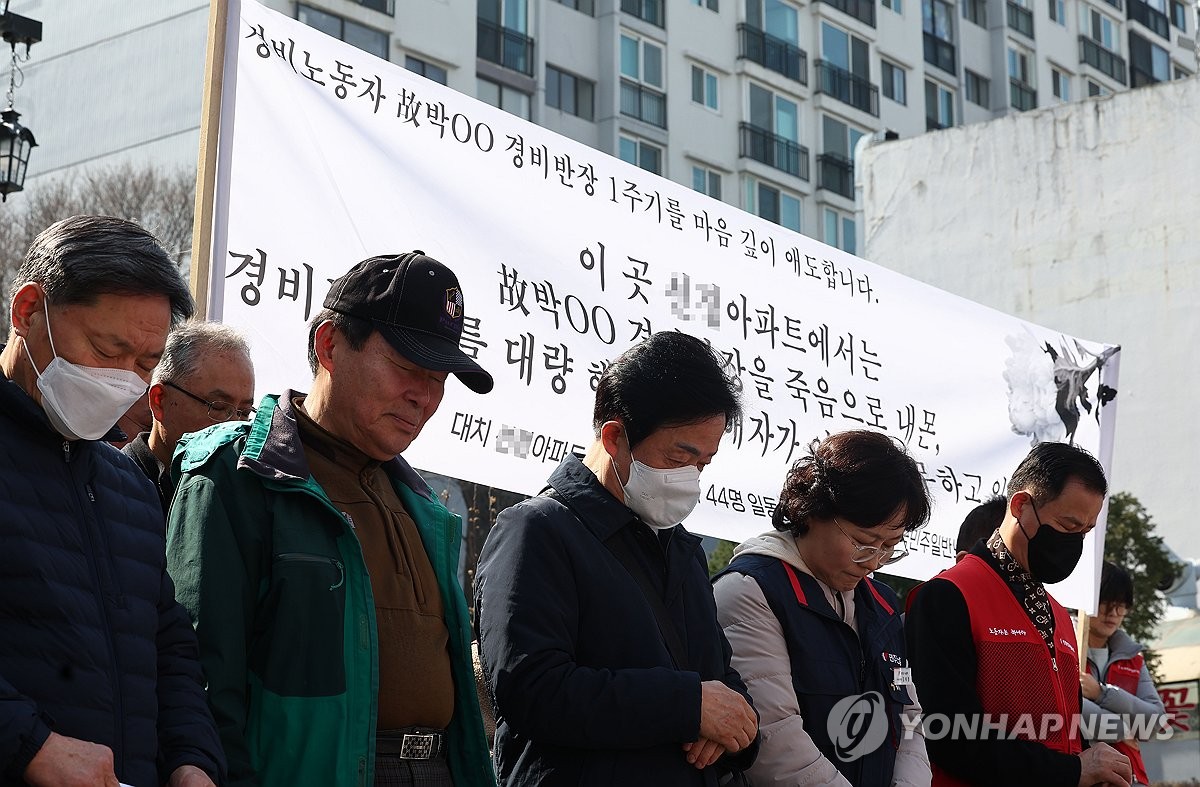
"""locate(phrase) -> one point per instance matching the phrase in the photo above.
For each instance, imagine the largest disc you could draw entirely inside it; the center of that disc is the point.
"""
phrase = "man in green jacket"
(320, 569)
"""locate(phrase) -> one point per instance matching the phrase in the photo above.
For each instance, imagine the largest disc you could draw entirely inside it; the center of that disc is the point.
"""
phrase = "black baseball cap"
(416, 303)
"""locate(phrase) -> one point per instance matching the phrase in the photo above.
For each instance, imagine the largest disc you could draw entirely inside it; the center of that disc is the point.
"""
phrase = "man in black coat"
(597, 624)
(99, 677)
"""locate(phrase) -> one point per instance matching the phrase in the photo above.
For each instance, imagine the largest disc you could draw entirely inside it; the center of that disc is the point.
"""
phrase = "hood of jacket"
(1121, 646)
(774, 544)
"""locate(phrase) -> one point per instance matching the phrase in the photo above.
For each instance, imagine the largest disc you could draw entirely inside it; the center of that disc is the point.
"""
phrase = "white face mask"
(83, 402)
(662, 498)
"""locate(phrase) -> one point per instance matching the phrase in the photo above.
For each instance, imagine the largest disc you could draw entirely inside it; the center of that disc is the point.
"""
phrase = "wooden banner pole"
(206, 165)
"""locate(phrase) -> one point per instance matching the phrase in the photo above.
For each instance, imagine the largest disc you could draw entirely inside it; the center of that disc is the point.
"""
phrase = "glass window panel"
(326, 23)
(831, 227)
(516, 15)
(768, 203)
(699, 179)
(553, 95)
(786, 124)
(366, 39)
(652, 71)
(487, 91)
(651, 158)
(849, 241)
(835, 46)
(789, 212)
(782, 21)
(855, 136)
(697, 85)
(627, 150)
(711, 92)
(629, 57)
(760, 107)
(835, 136)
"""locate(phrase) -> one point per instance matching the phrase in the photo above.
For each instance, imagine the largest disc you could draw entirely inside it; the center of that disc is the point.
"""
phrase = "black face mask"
(1052, 553)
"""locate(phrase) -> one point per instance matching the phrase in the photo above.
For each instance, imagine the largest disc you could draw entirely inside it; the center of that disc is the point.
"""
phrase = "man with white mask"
(597, 626)
(100, 682)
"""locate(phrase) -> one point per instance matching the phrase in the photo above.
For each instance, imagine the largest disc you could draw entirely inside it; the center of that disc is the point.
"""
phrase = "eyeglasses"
(884, 555)
(218, 412)
(1119, 608)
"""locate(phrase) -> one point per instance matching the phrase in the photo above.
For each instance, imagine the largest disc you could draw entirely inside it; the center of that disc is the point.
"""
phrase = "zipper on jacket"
(304, 557)
(67, 451)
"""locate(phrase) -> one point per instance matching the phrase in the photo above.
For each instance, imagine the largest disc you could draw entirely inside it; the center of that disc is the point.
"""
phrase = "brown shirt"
(415, 683)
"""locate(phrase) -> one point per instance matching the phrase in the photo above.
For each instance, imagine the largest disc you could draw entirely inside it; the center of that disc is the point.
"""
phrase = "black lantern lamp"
(15, 140)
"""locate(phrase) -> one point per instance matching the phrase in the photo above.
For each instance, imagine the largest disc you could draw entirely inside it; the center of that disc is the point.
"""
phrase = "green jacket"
(274, 578)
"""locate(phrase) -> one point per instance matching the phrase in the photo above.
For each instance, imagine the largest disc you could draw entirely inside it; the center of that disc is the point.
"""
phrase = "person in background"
(979, 524)
(205, 377)
(137, 419)
(990, 646)
(809, 628)
(1117, 684)
(596, 619)
(99, 676)
(321, 570)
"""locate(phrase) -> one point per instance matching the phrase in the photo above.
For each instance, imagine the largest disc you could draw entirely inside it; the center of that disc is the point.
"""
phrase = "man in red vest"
(994, 656)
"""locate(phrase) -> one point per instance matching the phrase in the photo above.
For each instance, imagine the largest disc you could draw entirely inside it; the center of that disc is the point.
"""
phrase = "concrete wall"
(1081, 217)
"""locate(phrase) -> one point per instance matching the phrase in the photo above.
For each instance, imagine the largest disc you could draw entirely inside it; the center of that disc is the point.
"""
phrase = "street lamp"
(16, 141)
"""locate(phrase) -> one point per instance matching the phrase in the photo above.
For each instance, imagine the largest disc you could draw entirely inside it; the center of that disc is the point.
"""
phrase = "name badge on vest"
(902, 676)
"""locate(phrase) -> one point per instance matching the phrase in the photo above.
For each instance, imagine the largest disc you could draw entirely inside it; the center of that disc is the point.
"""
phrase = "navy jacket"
(585, 689)
(830, 662)
(92, 643)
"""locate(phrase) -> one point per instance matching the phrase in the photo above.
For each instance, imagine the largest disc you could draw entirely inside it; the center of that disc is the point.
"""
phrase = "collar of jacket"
(29, 415)
(273, 449)
(595, 506)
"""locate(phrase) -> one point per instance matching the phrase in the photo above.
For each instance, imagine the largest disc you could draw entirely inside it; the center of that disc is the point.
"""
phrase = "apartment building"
(759, 103)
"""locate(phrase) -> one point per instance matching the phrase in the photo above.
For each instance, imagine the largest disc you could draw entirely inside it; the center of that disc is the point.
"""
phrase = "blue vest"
(830, 663)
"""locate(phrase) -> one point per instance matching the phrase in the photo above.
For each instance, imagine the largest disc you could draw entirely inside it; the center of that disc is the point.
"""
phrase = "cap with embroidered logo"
(416, 303)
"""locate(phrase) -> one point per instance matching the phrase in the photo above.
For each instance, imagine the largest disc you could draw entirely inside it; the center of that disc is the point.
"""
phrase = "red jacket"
(1016, 675)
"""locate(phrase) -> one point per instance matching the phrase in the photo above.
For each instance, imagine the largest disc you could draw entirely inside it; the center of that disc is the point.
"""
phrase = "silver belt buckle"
(417, 746)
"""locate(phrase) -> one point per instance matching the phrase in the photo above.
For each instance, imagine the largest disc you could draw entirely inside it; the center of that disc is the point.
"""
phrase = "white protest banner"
(568, 256)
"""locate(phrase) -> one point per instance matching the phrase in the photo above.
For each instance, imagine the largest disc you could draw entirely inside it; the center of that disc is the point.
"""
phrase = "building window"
(1148, 62)
(427, 70)
(773, 204)
(641, 154)
(509, 14)
(1060, 84)
(772, 112)
(975, 11)
(641, 61)
(509, 99)
(937, 19)
(1095, 89)
(583, 6)
(711, 5)
(705, 88)
(977, 89)
(1181, 73)
(570, 93)
(706, 181)
(1101, 28)
(839, 231)
(775, 18)
(1058, 12)
(895, 5)
(1179, 15)
(361, 36)
(939, 106)
(894, 86)
(1018, 66)
(651, 11)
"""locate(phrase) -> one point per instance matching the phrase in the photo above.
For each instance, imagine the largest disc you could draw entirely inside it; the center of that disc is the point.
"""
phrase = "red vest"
(1125, 675)
(1015, 674)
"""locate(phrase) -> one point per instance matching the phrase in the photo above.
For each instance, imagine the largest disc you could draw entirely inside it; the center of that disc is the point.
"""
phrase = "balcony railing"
(1101, 59)
(1150, 17)
(773, 150)
(1021, 96)
(773, 53)
(643, 103)
(847, 88)
(648, 10)
(1139, 77)
(862, 10)
(1117, 4)
(511, 49)
(1020, 19)
(940, 53)
(835, 173)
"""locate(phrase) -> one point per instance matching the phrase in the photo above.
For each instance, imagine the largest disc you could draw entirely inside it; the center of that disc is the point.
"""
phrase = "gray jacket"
(1117, 704)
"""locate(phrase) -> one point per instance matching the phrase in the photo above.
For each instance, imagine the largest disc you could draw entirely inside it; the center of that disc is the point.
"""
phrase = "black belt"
(412, 743)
